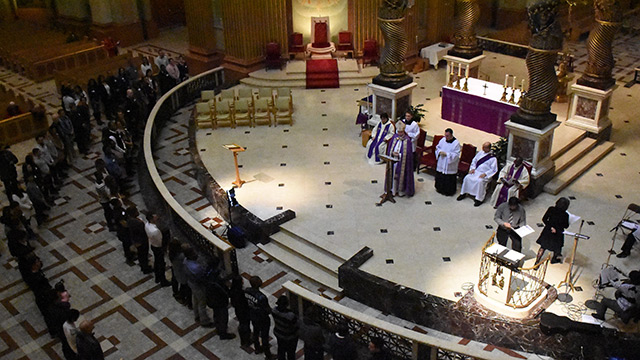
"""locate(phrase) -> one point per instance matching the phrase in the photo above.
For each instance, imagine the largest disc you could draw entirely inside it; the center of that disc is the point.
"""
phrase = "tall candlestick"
(522, 85)
(514, 83)
(459, 70)
(506, 77)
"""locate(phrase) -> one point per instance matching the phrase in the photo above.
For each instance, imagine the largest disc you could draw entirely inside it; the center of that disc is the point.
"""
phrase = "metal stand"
(568, 280)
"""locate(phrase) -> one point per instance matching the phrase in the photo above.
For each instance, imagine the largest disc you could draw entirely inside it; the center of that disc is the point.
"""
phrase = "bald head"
(486, 147)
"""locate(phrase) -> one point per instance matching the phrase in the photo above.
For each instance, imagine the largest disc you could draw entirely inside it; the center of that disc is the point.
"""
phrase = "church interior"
(256, 155)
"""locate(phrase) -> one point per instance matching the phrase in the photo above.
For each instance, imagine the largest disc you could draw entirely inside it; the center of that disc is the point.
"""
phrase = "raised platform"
(294, 75)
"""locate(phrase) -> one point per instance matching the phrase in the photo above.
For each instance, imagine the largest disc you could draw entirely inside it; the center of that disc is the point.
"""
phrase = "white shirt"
(161, 61)
(154, 234)
(70, 332)
(413, 130)
(144, 68)
(448, 164)
(489, 167)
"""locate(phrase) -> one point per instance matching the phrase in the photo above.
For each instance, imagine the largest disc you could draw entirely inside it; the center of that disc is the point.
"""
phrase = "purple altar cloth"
(476, 111)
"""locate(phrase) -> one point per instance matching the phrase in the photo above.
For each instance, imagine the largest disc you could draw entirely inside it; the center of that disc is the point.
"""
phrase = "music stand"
(388, 179)
(235, 149)
(568, 278)
(631, 209)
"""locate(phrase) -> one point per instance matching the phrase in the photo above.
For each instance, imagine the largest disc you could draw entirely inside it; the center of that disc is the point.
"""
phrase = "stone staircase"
(294, 75)
(305, 257)
(575, 159)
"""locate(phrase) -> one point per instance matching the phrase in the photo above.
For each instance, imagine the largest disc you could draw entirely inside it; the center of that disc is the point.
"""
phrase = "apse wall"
(303, 10)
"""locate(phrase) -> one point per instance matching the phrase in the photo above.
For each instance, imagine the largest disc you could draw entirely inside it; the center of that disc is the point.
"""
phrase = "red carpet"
(322, 74)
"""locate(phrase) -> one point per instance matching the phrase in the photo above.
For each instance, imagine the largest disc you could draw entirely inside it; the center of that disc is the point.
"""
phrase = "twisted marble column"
(546, 41)
(600, 64)
(464, 37)
(390, 17)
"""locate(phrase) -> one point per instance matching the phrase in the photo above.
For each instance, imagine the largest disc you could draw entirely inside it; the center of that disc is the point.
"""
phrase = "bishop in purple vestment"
(400, 147)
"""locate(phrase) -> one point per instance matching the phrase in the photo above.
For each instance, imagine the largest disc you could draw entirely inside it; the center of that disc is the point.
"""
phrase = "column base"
(534, 146)
(392, 83)
(472, 64)
(589, 111)
(199, 62)
(392, 101)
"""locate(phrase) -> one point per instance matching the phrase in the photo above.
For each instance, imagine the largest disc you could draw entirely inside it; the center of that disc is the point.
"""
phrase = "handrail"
(172, 96)
(416, 339)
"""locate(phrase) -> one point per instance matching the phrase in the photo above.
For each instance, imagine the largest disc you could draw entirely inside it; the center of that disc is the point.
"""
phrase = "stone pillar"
(202, 54)
(119, 19)
(465, 52)
(592, 92)
(390, 18)
(531, 127)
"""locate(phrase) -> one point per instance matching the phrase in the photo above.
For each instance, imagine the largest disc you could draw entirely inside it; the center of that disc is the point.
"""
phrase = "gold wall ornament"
(465, 42)
(546, 41)
(600, 62)
(390, 17)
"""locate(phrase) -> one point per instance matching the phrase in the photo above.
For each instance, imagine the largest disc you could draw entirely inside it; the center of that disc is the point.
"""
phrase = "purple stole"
(484, 158)
(403, 170)
(379, 137)
(504, 192)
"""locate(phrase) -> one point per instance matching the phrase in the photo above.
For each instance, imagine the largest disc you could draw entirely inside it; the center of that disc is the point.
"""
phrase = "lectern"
(502, 266)
(235, 149)
(388, 179)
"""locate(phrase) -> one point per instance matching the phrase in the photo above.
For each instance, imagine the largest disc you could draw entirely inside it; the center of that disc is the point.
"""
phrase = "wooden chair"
(422, 137)
(266, 93)
(428, 158)
(345, 43)
(222, 116)
(262, 112)
(242, 113)
(370, 52)
(227, 95)
(273, 59)
(466, 157)
(203, 115)
(282, 113)
(207, 95)
(295, 45)
(284, 93)
(246, 94)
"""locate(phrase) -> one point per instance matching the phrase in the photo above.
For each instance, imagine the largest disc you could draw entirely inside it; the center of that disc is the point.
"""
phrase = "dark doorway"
(168, 13)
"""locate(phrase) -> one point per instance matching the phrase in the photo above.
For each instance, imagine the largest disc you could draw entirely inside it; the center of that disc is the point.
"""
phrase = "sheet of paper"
(524, 231)
(573, 218)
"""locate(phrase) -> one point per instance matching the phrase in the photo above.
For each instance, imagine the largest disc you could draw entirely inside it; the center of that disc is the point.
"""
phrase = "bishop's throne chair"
(320, 47)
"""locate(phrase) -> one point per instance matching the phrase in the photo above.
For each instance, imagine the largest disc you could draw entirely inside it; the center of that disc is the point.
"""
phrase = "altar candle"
(514, 83)
(459, 70)
(506, 77)
(522, 85)
(452, 66)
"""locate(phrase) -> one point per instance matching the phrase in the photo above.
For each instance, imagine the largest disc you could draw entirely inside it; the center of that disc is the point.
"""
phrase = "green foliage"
(417, 111)
(499, 149)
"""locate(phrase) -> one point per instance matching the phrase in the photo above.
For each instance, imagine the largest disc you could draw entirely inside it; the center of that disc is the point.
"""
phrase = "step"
(562, 180)
(298, 231)
(566, 145)
(300, 265)
(574, 153)
(314, 245)
(299, 83)
(307, 251)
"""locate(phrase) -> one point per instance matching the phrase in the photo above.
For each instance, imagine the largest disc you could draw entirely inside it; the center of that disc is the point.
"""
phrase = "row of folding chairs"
(234, 95)
(242, 112)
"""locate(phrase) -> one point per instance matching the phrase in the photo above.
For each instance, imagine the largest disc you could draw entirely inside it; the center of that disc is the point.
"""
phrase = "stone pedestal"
(589, 110)
(392, 101)
(534, 146)
(470, 67)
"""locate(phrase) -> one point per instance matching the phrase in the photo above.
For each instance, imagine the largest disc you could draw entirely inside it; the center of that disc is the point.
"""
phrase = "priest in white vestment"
(380, 136)
(512, 179)
(483, 166)
(413, 130)
(448, 155)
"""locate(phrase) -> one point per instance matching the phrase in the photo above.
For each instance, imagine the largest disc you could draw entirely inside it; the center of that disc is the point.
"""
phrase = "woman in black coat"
(555, 220)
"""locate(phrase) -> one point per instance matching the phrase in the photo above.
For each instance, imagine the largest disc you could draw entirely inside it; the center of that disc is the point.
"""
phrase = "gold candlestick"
(513, 96)
(458, 83)
(504, 94)
(450, 84)
(466, 83)
(520, 98)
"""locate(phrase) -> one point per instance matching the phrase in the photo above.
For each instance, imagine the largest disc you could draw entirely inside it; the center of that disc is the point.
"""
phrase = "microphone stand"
(613, 241)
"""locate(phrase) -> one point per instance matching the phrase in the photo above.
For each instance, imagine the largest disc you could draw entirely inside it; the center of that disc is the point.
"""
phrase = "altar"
(480, 107)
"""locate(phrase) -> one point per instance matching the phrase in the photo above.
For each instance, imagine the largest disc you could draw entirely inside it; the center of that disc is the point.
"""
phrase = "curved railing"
(175, 99)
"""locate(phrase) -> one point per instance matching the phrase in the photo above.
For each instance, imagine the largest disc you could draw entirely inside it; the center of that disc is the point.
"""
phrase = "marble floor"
(136, 319)
(316, 168)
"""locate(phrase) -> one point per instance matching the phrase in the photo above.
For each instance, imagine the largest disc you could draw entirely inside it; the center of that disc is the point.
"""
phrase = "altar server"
(483, 166)
(448, 155)
(512, 179)
(380, 136)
